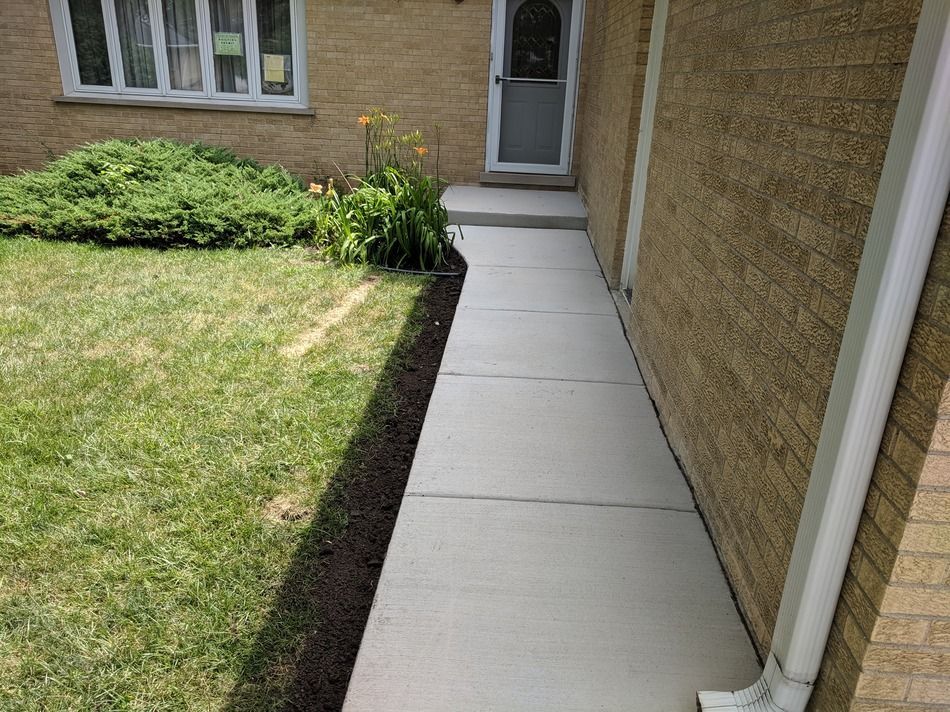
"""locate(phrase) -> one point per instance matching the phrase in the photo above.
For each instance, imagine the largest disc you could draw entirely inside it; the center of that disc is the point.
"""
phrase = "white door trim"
(641, 164)
(495, 67)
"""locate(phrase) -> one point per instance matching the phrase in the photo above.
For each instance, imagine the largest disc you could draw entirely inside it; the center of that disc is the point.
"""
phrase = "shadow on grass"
(304, 652)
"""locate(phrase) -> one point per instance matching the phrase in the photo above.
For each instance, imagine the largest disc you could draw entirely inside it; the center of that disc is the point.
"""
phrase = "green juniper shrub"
(158, 193)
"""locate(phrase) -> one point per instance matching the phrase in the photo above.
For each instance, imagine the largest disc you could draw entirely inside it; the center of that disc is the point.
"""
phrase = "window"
(223, 52)
(536, 41)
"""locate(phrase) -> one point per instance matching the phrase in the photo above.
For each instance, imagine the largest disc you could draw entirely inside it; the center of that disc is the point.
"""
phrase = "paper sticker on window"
(228, 43)
(274, 68)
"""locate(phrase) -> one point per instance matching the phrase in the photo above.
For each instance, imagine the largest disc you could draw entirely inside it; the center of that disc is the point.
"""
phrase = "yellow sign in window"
(274, 68)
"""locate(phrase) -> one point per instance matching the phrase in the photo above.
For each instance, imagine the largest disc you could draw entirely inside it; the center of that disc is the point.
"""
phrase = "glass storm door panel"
(534, 81)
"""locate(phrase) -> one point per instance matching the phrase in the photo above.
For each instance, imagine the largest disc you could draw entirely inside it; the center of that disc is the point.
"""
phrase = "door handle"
(499, 79)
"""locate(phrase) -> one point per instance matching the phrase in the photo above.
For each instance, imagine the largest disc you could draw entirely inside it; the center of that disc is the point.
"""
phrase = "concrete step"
(527, 180)
(513, 207)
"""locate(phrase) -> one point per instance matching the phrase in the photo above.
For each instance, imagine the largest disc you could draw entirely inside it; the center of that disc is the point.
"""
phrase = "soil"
(348, 566)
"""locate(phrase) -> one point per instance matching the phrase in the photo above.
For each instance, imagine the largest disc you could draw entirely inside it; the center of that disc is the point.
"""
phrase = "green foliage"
(158, 193)
(391, 219)
(386, 148)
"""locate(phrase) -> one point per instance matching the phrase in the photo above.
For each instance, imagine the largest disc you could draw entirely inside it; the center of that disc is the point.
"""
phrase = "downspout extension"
(772, 692)
(910, 200)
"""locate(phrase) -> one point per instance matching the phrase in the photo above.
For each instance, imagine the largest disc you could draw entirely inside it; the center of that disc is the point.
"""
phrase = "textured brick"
(940, 634)
(882, 687)
(360, 55)
(912, 600)
(886, 659)
(616, 39)
(771, 131)
(929, 690)
(901, 631)
(919, 569)
(933, 506)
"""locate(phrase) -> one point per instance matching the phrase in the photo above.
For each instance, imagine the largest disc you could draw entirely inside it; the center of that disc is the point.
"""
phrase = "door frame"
(495, 67)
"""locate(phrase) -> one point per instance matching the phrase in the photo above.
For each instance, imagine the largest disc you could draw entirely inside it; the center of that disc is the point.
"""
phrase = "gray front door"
(534, 81)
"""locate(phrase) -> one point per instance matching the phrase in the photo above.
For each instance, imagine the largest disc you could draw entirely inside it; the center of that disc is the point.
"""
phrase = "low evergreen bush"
(158, 193)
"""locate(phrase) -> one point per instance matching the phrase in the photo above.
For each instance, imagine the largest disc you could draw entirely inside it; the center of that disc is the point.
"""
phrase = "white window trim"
(208, 98)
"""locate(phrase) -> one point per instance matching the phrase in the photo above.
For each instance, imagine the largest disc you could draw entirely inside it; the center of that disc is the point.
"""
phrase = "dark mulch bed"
(333, 581)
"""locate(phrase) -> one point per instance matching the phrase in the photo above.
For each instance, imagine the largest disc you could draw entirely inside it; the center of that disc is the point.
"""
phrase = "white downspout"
(915, 181)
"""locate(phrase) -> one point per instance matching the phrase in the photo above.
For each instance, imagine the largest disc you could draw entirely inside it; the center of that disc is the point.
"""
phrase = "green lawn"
(168, 422)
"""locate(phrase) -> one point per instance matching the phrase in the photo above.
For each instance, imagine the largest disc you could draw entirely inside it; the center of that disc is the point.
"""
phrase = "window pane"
(181, 38)
(274, 31)
(536, 41)
(89, 33)
(135, 39)
(227, 30)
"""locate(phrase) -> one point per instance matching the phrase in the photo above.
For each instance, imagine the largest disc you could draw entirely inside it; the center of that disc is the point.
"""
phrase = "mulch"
(348, 566)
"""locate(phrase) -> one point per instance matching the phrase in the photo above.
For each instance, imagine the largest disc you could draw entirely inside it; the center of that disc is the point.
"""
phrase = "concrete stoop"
(547, 554)
(513, 207)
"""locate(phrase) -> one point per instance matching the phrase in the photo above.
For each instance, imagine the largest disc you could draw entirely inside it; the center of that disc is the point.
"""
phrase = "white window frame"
(208, 97)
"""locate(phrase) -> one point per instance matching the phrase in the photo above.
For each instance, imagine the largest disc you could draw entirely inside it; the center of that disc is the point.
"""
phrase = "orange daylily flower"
(422, 150)
(364, 120)
(316, 188)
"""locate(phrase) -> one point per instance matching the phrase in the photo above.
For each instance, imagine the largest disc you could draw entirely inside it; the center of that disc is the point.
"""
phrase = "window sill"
(176, 103)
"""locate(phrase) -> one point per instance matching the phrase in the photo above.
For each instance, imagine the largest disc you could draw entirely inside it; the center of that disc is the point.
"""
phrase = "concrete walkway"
(547, 554)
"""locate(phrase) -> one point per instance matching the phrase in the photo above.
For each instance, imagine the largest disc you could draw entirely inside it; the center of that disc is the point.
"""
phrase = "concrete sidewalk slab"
(547, 555)
(514, 207)
(520, 247)
(578, 347)
(556, 441)
(517, 288)
(492, 605)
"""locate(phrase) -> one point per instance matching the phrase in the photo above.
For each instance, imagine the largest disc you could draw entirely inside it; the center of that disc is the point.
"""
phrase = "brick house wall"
(891, 634)
(610, 95)
(424, 59)
(772, 123)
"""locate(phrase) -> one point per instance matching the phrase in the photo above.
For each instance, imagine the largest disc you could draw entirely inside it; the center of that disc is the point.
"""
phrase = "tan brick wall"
(613, 61)
(891, 635)
(772, 123)
(424, 59)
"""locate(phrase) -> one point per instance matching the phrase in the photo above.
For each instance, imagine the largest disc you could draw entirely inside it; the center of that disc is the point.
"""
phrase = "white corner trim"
(909, 205)
(641, 161)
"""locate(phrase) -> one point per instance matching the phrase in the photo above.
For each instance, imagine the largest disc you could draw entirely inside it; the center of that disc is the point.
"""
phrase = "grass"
(162, 445)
